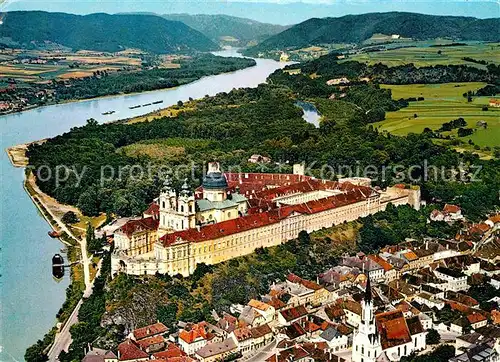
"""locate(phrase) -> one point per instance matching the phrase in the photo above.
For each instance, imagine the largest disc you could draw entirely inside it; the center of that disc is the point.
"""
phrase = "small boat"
(57, 260)
(53, 234)
(108, 112)
(146, 104)
(157, 102)
(134, 107)
(57, 267)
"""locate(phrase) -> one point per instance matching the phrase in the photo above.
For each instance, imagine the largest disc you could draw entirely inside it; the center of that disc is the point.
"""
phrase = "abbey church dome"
(214, 179)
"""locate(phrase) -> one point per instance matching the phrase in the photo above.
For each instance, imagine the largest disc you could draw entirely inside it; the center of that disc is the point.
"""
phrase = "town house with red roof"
(193, 337)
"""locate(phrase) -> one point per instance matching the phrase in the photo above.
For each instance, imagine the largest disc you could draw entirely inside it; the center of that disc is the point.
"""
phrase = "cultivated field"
(443, 103)
(426, 56)
(21, 65)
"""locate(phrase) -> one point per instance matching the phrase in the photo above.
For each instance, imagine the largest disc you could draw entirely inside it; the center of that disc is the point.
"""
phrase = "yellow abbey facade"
(239, 213)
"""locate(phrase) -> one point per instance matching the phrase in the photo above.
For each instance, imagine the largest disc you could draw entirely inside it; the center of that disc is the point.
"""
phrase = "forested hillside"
(102, 32)
(357, 28)
(229, 29)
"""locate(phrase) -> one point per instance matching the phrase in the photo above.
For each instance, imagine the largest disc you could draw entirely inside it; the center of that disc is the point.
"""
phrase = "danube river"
(30, 297)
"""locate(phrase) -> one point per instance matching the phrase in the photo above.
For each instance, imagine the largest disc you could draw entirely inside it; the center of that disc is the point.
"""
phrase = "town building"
(494, 102)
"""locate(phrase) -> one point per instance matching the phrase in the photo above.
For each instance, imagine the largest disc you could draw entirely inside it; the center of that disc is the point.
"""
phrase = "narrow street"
(262, 354)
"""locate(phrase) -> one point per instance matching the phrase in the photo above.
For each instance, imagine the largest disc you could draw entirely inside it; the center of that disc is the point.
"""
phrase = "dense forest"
(357, 28)
(101, 32)
(219, 26)
(103, 83)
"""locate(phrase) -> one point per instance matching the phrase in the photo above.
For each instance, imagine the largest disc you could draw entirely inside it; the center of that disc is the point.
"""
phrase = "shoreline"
(74, 258)
(32, 107)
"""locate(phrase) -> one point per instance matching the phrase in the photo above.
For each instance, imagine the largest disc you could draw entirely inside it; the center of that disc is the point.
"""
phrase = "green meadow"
(443, 103)
(427, 56)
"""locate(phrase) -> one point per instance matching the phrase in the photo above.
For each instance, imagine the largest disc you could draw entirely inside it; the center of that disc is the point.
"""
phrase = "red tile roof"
(133, 226)
(476, 318)
(495, 218)
(306, 283)
(258, 305)
(261, 331)
(242, 334)
(392, 328)
(229, 227)
(147, 342)
(291, 314)
(196, 331)
(384, 264)
(151, 330)
(129, 350)
(448, 208)
(410, 256)
(171, 351)
(311, 327)
(276, 303)
(153, 210)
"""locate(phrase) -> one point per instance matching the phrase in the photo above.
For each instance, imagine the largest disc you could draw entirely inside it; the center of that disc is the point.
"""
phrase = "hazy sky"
(273, 11)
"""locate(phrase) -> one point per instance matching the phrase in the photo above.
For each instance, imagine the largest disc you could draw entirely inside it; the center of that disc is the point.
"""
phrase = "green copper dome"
(214, 181)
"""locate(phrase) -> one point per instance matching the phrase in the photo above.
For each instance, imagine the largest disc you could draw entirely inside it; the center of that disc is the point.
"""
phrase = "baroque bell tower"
(177, 212)
(366, 343)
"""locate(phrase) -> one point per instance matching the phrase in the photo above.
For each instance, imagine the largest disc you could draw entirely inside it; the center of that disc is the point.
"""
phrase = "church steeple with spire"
(366, 343)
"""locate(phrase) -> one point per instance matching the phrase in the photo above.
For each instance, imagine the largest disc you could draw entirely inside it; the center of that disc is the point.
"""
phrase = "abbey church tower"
(366, 345)
(177, 212)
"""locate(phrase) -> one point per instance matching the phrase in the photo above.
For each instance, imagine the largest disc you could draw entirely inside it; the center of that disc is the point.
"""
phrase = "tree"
(167, 314)
(304, 238)
(35, 353)
(432, 337)
(93, 244)
(441, 354)
(69, 218)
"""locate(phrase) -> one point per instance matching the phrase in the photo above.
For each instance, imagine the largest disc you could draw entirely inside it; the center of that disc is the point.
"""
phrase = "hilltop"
(357, 28)
(101, 32)
(229, 29)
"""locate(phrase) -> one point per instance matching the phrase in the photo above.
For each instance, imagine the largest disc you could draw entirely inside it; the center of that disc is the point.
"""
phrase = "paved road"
(63, 339)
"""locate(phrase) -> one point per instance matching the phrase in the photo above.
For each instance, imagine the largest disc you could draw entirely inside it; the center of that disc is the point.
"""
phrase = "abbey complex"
(232, 214)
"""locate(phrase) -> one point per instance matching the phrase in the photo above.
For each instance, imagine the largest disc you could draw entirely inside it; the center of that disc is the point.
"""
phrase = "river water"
(30, 297)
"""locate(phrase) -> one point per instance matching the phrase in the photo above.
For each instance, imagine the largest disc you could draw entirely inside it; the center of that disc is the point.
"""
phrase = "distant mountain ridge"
(218, 26)
(103, 32)
(357, 28)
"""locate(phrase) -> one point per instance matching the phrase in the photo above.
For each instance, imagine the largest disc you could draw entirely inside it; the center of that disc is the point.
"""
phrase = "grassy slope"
(443, 102)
